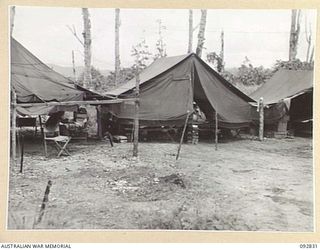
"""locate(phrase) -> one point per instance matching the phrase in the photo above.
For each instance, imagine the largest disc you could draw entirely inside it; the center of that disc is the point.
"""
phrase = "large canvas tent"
(170, 85)
(35, 82)
(287, 92)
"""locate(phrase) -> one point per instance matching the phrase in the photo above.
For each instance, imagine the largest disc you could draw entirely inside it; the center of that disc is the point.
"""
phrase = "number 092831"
(306, 246)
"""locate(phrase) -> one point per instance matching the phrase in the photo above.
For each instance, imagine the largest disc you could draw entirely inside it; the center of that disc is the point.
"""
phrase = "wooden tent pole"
(136, 116)
(66, 103)
(13, 125)
(190, 94)
(99, 124)
(216, 130)
(183, 132)
(261, 118)
(42, 136)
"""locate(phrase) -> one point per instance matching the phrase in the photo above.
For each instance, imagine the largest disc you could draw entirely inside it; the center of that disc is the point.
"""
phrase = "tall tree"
(12, 14)
(294, 34)
(117, 46)
(190, 31)
(215, 60)
(160, 45)
(311, 61)
(222, 51)
(73, 67)
(141, 54)
(308, 33)
(13, 99)
(87, 48)
(202, 28)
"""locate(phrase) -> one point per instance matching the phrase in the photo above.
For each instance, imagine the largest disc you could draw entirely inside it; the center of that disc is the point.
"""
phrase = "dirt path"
(245, 185)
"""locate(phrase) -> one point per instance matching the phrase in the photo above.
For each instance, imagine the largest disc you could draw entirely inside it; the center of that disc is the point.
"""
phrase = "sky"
(260, 35)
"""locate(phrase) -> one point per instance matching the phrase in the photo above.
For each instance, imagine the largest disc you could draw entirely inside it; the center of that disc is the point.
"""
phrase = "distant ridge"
(68, 72)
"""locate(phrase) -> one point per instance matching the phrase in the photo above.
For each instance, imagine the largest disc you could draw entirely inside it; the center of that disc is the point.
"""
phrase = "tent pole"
(136, 116)
(99, 122)
(13, 126)
(216, 129)
(182, 136)
(42, 136)
(261, 119)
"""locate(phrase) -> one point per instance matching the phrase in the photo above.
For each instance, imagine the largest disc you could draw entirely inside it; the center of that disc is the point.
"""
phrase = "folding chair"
(60, 141)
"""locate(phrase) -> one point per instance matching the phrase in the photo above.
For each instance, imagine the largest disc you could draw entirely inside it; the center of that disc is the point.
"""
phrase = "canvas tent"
(170, 85)
(35, 82)
(287, 92)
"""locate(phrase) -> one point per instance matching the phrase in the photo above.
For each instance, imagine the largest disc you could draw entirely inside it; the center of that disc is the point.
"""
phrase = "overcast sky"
(261, 35)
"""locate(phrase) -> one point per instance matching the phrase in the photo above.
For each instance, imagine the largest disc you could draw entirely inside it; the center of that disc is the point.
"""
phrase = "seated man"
(198, 115)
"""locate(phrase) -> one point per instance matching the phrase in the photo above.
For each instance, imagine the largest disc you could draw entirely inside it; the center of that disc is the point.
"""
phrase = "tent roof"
(167, 94)
(284, 84)
(162, 65)
(154, 69)
(34, 81)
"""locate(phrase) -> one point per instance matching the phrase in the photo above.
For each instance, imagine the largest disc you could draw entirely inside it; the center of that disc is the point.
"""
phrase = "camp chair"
(61, 141)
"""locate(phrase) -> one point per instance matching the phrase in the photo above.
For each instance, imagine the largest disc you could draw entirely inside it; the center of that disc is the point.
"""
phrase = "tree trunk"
(202, 28)
(308, 39)
(87, 49)
(117, 45)
(13, 125)
(222, 52)
(261, 119)
(311, 55)
(309, 46)
(190, 31)
(294, 34)
(136, 116)
(73, 67)
(13, 100)
(12, 14)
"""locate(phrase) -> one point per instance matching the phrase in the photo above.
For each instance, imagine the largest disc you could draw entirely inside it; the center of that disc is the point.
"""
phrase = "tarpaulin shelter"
(170, 85)
(287, 92)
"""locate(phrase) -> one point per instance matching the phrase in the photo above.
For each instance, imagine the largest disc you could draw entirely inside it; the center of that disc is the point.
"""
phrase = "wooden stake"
(216, 130)
(22, 152)
(13, 126)
(44, 201)
(136, 116)
(183, 132)
(261, 119)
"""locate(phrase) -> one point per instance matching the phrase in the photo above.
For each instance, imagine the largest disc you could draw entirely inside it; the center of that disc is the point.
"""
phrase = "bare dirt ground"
(246, 185)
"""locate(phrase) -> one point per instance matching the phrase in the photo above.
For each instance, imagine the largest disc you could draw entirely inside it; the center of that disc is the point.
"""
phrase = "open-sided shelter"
(39, 90)
(170, 85)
